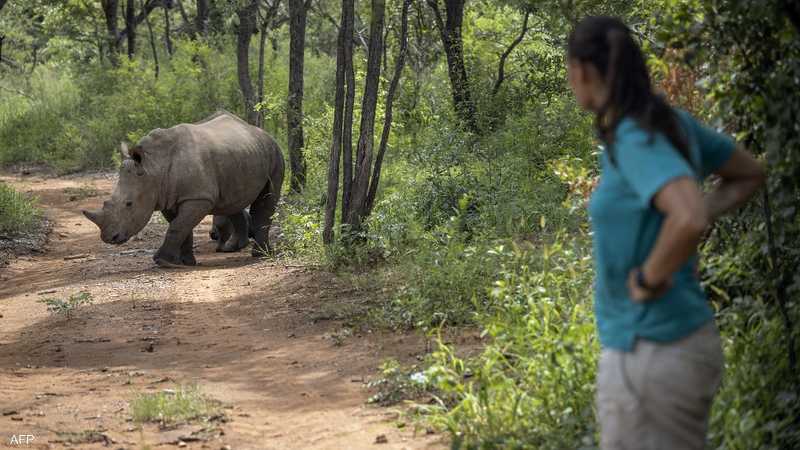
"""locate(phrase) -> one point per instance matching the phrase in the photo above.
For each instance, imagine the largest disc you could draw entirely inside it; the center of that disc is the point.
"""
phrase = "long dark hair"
(607, 44)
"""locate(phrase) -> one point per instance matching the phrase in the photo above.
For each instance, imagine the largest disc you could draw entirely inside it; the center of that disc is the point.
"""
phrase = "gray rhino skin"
(217, 166)
(222, 227)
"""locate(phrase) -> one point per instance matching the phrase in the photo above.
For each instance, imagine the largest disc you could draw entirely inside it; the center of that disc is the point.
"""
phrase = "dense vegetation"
(479, 216)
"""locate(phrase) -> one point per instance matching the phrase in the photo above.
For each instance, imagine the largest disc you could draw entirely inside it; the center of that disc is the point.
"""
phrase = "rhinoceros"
(217, 166)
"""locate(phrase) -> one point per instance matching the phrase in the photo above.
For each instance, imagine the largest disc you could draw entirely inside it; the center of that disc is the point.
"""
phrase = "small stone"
(381, 439)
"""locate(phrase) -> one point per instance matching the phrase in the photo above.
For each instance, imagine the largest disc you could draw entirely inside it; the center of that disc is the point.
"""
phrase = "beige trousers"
(658, 397)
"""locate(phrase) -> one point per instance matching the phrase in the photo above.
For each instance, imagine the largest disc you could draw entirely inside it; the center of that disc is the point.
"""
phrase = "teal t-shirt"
(625, 225)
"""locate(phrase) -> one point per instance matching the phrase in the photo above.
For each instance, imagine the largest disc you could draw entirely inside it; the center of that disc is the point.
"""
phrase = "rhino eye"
(128, 204)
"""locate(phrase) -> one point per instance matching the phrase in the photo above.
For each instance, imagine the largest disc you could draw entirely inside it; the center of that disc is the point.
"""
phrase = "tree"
(147, 7)
(450, 31)
(270, 11)
(110, 10)
(345, 37)
(501, 66)
(247, 26)
(167, 26)
(364, 184)
(369, 101)
(130, 25)
(387, 119)
(152, 44)
(294, 107)
(201, 21)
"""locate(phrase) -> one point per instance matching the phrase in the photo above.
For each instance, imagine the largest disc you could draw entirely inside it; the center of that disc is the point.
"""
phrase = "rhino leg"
(223, 228)
(261, 211)
(239, 238)
(177, 247)
(214, 233)
(250, 227)
(187, 251)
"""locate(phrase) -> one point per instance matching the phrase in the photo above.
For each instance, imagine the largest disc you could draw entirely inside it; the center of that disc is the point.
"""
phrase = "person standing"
(661, 360)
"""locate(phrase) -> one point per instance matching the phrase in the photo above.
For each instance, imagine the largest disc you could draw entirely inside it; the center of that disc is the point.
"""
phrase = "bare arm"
(741, 177)
(687, 215)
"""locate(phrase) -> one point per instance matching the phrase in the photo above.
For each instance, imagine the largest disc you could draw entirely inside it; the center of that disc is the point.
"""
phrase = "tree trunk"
(294, 109)
(130, 24)
(167, 27)
(147, 7)
(367, 128)
(450, 31)
(501, 66)
(110, 11)
(187, 25)
(336, 143)
(247, 25)
(152, 44)
(387, 118)
(262, 43)
(348, 26)
(202, 17)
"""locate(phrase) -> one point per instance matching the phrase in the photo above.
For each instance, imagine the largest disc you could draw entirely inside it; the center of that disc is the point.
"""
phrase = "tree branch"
(147, 8)
(16, 91)
(325, 15)
(501, 75)
(434, 5)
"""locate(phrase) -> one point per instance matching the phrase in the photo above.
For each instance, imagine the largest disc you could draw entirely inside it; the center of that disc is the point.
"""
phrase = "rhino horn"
(95, 216)
(123, 150)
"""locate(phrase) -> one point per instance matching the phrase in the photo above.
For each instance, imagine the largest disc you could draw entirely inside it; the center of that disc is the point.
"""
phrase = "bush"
(171, 407)
(758, 405)
(37, 126)
(533, 384)
(66, 307)
(18, 212)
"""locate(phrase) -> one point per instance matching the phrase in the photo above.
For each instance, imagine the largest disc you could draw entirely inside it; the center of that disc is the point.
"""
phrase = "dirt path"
(253, 334)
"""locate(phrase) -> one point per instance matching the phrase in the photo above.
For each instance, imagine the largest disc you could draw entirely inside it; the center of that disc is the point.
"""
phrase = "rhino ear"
(137, 154)
(123, 151)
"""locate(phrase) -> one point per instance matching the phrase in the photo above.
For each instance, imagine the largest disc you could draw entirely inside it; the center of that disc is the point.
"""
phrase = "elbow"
(693, 223)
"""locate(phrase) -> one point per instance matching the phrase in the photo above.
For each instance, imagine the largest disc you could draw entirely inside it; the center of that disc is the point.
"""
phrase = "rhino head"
(132, 203)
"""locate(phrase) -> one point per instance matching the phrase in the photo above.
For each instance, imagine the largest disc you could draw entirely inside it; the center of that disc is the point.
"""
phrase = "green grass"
(184, 404)
(18, 212)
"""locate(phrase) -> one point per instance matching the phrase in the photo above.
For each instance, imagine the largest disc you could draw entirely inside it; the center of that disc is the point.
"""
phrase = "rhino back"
(223, 160)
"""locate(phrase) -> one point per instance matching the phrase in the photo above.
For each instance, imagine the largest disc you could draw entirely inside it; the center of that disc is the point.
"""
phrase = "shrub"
(18, 212)
(533, 384)
(170, 407)
(66, 307)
